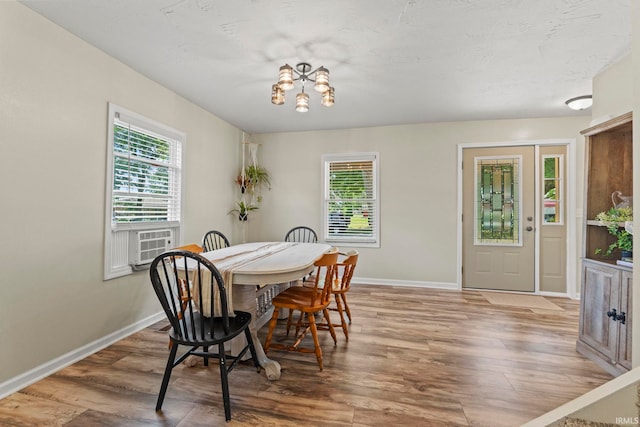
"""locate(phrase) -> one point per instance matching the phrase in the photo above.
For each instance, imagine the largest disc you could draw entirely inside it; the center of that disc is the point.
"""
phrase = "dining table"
(250, 269)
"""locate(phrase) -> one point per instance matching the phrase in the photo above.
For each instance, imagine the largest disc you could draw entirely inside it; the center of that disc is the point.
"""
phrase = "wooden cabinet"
(605, 307)
(608, 168)
(605, 316)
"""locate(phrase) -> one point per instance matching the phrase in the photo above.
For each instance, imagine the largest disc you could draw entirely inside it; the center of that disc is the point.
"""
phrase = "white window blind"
(351, 205)
(146, 174)
(143, 190)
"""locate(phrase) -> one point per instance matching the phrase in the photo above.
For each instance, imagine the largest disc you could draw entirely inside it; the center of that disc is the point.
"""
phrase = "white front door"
(499, 218)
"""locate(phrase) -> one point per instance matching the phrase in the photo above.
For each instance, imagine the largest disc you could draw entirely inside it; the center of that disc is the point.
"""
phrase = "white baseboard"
(21, 381)
(554, 294)
(405, 283)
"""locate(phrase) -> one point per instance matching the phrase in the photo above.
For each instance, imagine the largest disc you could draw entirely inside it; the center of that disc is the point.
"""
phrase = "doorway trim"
(571, 211)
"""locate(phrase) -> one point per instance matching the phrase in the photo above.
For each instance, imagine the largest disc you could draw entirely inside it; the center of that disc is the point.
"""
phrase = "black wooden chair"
(214, 240)
(189, 327)
(301, 234)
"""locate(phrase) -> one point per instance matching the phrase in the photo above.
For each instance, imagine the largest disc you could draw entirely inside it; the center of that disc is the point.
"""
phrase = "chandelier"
(303, 74)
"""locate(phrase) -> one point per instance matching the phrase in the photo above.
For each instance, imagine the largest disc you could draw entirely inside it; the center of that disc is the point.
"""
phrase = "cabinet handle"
(613, 314)
(622, 317)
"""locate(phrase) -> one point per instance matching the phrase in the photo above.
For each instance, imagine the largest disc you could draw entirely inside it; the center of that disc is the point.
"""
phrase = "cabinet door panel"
(600, 293)
(624, 345)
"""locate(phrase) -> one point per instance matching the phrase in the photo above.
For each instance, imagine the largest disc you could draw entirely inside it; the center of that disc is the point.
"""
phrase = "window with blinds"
(146, 174)
(351, 203)
(143, 190)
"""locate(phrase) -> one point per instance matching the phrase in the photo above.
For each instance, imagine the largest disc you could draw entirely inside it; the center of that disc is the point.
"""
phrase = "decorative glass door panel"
(497, 213)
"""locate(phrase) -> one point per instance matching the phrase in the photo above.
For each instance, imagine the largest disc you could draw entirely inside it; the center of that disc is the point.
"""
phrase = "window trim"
(351, 157)
(117, 235)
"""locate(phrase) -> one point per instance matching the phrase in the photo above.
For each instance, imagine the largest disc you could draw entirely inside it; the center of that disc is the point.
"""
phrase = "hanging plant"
(254, 177)
(242, 182)
(243, 210)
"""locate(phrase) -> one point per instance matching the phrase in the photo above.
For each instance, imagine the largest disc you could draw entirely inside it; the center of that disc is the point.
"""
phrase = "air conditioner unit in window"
(150, 244)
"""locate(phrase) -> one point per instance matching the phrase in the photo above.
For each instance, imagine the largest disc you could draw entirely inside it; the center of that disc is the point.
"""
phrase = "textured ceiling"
(391, 61)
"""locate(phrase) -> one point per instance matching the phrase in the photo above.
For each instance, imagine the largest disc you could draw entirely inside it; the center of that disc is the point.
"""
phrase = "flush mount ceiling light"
(303, 74)
(580, 102)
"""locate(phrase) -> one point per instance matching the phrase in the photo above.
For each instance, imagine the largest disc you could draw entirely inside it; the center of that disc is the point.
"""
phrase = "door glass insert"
(552, 187)
(497, 213)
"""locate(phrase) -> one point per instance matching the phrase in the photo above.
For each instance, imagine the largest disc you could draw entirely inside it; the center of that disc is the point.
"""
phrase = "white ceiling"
(390, 61)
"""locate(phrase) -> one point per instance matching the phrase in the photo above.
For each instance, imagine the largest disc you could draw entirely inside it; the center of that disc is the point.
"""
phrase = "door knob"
(529, 228)
(529, 218)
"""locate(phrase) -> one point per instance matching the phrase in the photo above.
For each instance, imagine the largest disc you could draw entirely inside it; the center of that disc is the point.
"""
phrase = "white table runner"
(227, 260)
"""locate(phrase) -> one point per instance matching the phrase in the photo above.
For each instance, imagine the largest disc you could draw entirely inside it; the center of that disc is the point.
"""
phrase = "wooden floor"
(415, 357)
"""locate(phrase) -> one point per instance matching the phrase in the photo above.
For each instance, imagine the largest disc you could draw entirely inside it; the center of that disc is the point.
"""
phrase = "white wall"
(54, 90)
(612, 91)
(418, 187)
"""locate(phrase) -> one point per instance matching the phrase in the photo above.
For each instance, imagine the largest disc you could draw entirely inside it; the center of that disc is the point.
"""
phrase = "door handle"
(529, 228)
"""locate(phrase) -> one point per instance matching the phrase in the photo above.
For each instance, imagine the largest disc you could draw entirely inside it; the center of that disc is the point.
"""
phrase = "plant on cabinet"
(614, 219)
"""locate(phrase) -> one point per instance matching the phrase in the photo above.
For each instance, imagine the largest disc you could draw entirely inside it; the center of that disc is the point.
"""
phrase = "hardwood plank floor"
(415, 357)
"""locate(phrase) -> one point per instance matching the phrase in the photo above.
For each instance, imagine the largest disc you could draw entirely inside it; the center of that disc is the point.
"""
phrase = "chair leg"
(332, 331)
(343, 322)
(206, 359)
(346, 306)
(300, 322)
(314, 334)
(167, 375)
(224, 381)
(272, 326)
(289, 319)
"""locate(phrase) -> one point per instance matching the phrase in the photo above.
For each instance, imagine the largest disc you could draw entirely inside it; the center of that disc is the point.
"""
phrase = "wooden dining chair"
(301, 234)
(213, 240)
(189, 327)
(315, 300)
(340, 285)
(195, 248)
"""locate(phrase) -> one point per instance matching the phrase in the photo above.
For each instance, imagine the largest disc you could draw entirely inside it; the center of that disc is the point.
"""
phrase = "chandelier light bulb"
(286, 77)
(328, 97)
(322, 80)
(302, 102)
(277, 95)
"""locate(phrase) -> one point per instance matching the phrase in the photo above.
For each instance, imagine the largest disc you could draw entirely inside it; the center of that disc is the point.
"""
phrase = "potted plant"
(614, 220)
(624, 241)
(254, 177)
(616, 215)
(243, 210)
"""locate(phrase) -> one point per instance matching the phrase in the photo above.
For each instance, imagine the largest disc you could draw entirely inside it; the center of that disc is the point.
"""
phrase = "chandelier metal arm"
(302, 70)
